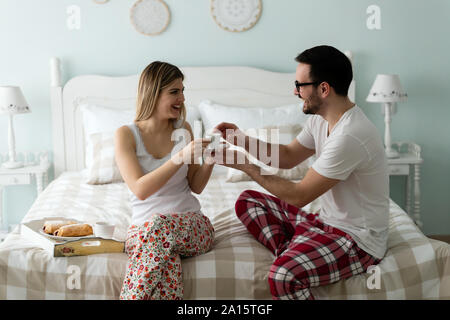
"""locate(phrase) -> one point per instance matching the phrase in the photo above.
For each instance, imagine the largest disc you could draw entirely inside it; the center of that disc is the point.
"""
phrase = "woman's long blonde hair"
(155, 77)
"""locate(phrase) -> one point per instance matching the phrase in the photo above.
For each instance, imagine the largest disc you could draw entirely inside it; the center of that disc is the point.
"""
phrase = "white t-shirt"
(354, 154)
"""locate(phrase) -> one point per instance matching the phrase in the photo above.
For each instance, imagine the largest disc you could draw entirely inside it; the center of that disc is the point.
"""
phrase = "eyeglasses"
(298, 85)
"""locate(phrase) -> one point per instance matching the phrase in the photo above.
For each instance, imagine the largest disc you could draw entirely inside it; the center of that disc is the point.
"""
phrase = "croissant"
(74, 230)
(51, 226)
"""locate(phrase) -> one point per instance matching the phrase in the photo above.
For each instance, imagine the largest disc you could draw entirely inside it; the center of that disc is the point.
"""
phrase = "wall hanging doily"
(236, 15)
(150, 17)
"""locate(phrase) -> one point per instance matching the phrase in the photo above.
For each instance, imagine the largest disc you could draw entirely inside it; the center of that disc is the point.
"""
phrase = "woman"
(166, 217)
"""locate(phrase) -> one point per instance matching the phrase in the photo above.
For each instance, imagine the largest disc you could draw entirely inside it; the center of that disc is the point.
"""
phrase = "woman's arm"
(142, 185)
(198, 175)
(199, 178)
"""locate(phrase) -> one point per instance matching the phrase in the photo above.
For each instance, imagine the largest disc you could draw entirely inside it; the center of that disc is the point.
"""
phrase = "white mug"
(104, 230)
(215, 140)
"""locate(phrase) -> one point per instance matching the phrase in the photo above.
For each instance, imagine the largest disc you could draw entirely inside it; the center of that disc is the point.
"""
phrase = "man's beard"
(313, 107)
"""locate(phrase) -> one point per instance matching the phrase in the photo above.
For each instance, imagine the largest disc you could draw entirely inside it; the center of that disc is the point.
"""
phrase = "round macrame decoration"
(150, 17)
(236, 15)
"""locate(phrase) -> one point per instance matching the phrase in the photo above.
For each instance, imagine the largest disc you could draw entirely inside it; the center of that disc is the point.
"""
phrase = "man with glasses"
(349, 176)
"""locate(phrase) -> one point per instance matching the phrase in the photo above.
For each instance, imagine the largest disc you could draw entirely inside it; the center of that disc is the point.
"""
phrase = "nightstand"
(24, 175)
(408, 164)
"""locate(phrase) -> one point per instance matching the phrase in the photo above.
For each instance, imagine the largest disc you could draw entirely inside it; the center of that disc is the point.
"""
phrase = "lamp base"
(3, 234)
(12, 165)
(392, 154)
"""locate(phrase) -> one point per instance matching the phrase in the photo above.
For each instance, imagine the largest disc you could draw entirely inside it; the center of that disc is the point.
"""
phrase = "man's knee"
(248, 194)
(241, 203)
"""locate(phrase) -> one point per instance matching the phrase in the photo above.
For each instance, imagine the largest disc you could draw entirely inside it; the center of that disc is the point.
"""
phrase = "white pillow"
(103, 168)
(97, 118)
(286, 134)
(102, 119)
(245, 118)
(192, 115)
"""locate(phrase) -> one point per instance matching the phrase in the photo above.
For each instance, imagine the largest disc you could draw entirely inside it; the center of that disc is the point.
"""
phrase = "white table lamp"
(12, 102)
(388, 90)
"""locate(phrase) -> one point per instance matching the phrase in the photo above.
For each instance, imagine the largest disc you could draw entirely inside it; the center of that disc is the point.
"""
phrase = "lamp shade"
(387, 88)
(12, 101)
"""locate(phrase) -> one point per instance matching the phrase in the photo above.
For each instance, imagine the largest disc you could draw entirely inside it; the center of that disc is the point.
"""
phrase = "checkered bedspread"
(414, 267)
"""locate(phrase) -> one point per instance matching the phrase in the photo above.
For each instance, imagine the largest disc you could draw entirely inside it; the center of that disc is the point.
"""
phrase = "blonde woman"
(167, 221)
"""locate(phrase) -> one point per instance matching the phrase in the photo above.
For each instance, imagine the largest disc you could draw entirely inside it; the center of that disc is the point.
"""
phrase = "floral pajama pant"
(154, 254)
(309, 253)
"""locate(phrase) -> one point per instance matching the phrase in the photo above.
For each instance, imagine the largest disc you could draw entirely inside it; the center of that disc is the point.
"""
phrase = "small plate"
(64, 238)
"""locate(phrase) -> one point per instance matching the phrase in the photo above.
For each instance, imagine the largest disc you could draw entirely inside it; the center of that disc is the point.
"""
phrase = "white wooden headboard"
(237, 86)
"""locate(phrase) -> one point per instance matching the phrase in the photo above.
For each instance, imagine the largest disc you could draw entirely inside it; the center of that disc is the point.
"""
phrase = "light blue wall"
(413, 42)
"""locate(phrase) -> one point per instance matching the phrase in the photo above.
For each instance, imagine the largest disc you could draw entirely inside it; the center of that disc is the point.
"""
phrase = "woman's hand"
(215, 155)
(191, 153)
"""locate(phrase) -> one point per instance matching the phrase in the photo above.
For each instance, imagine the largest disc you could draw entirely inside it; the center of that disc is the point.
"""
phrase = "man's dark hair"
(330, 65)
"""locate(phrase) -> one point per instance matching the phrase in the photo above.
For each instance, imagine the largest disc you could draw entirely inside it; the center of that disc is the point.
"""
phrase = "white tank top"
(174, 197)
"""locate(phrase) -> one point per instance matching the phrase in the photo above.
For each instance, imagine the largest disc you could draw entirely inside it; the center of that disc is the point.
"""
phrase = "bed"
(415, 267)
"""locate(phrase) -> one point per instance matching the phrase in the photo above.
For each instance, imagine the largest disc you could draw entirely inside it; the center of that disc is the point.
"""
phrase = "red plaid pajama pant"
(309, 253)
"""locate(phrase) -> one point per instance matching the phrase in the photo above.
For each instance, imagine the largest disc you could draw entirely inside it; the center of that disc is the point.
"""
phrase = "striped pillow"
(103, 168)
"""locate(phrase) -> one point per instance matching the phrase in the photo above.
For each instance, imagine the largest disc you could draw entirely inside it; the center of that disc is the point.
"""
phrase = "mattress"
(414, 267)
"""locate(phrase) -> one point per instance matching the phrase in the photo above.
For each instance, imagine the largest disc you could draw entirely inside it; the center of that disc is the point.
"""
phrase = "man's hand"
(231, 158)
(231, 133)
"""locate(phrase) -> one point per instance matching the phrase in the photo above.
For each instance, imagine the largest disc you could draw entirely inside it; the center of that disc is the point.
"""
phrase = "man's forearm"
(281, 188)
(263, 151)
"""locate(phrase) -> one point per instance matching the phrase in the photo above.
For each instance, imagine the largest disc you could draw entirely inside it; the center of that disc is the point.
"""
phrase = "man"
(349, 176)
